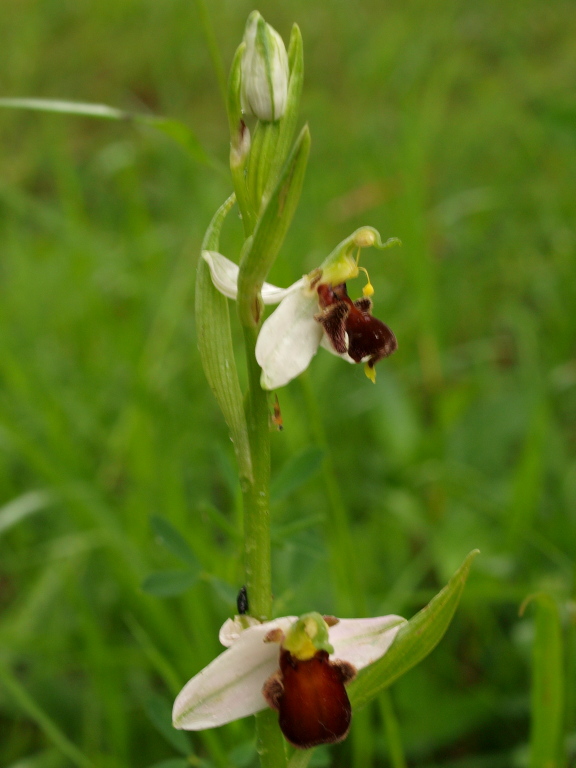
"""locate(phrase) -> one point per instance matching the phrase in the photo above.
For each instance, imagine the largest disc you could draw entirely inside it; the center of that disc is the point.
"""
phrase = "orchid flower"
(316, 310)
(300, 680)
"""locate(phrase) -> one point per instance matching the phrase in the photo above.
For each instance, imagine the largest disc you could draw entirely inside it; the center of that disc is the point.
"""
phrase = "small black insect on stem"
(242, 601)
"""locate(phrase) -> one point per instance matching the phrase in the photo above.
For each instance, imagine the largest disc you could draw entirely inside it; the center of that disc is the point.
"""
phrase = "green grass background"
(449, 124)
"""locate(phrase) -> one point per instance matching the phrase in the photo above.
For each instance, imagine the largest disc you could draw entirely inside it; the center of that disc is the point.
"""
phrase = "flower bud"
(265, 72)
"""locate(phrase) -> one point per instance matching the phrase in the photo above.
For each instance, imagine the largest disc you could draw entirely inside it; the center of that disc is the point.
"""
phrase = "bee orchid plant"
(300, 677)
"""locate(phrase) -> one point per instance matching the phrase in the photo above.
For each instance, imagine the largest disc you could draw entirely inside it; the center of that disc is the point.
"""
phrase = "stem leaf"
(216, 348)
(414, 641)
(287, 124)
(260, 252)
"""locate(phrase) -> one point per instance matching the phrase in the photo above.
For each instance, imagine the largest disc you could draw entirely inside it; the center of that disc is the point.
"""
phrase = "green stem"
(300, 758)
(256, 495)
(270, 743)
(256, 499)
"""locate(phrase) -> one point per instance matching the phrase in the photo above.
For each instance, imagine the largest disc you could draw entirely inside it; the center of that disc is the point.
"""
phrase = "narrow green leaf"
(221, 521)
(216, 349)
(296, 472)
(175, 762)
(159, 711)
(68, 108)
(212, 43)
(169, 583)
(281, 532)
(547, 684)
(528, 479)
(181, 134)
(11, 686)
(176, 130)
(173, 540)
(157, 658)
(262, 249)
(414, 640)
(22, 507)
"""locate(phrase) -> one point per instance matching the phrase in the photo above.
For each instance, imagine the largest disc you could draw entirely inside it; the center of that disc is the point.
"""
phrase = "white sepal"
(362, 641)
(225, 277)
(230, 687)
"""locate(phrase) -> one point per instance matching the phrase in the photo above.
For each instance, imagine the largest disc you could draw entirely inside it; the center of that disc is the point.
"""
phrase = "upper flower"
(308, 689)
(264, 87)
(315, 310)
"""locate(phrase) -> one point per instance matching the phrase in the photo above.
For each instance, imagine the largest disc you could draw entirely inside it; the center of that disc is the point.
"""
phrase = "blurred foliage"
(451, 125)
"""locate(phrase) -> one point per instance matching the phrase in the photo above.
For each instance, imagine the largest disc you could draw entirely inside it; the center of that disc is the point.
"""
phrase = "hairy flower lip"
(230, 687)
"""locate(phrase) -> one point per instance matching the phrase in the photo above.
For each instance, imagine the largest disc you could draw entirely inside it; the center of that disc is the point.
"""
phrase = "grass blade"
(547, 684)
(174, 129)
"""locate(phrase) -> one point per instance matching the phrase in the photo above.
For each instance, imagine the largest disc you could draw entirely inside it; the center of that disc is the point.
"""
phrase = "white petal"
(231, 630)
(288, 340)
(362, 641)
(225, 277)
(344, 355)
(230, 687)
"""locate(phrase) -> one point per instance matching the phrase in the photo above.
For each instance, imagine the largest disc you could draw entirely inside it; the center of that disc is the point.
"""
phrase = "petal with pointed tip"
(225, 277)
(362, 641)
(230, 687)
(288, 340)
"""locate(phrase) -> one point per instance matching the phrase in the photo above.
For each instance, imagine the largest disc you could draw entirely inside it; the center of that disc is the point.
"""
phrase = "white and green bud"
(265, 71)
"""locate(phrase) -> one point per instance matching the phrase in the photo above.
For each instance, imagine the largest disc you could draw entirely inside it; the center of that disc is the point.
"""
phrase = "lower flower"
(300, 680)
